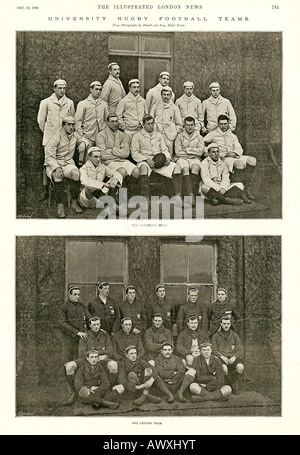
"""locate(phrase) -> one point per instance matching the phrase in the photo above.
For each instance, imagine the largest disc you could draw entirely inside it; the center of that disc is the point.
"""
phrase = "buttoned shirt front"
(50, 115)
(145, 145)
(167, 119)
(227, 142)
(131, 110)
(114, 145)
(90, 117)
(112, 92)
(213, 107)
(189, 145)
(93, 176)
(215, 174)
(190, 106)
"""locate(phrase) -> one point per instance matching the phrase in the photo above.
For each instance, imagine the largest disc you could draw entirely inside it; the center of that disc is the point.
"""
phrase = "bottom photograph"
(148, 326)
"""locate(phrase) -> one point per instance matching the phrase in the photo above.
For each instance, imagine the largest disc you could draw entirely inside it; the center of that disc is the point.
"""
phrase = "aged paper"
(35, 15)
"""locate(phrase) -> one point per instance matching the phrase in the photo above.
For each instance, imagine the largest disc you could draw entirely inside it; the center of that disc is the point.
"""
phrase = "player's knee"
(136, 173)
(177, 169)
(195, 169)
(185, 171)
(112, 366)
(70, 368)
(148, 371)
(122, 171)
(205, 189)
(144, 169)
(191, 372)
(226, 390)
(238, 164)
(239, 368)
(119, 388)
(74, 175)
(239, 185)
(251, 160)
(225, 369)
(189, 360)
(195, 388)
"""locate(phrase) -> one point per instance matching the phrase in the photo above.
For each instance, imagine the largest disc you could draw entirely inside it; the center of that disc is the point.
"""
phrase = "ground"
(266, 205)
(253, 400)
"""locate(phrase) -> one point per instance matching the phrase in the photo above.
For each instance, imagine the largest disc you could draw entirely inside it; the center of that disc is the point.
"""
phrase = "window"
(187, 265)
(141, 56)
(90, 262)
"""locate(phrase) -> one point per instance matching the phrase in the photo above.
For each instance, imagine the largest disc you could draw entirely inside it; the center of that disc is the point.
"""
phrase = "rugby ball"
(159, 160)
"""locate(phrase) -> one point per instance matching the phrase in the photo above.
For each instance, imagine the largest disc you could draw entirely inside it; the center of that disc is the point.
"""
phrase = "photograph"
(149, 125)
(148, 326)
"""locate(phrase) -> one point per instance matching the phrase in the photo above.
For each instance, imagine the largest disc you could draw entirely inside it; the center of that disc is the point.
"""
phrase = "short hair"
(130, 347)
(192, 317)
(166, 89)
(133, 81)
(92, 351)
(157, 315)
(223, 117)
(190, 119)
(111, 115)
(158, 286)
(112, 64)
(146, 118)
(222, 289)
(73, 288)
(59, 82)
(94, 319)
(92, 84)
(102, 284)
(167, 343)
(188, 83)
(125, 319)
(193, 290)
(129, 287)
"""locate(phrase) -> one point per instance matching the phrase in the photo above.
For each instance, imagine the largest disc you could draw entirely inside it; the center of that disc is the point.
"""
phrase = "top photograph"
(183, 125)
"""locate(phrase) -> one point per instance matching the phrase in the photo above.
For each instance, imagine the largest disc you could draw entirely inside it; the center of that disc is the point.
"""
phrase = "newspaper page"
(42, 42)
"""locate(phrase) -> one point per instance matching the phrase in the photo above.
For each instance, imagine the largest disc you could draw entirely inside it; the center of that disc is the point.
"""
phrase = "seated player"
(216, 185)
(97, 180)
(60, 164)
(241, 167)
(136, 375)
(189, 150)
(208, 382)
(171, 369)
(189, 340)
(92, 384)
(155, 337)
(227, 346)
(125, 337)
(99, 340)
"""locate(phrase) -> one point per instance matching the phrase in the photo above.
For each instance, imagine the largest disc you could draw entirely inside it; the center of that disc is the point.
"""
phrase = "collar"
(92, 99)
(112, 78)
(188, 98)
(134, 98)
(146, 134)
(214, 163)
(67, 136)
(61, 101)
(215, 100)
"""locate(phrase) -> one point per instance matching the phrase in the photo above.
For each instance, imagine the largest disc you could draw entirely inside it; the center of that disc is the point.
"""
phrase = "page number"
(275, 6)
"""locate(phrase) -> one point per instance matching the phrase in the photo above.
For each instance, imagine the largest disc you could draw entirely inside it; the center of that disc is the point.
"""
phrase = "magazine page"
(94, 94)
